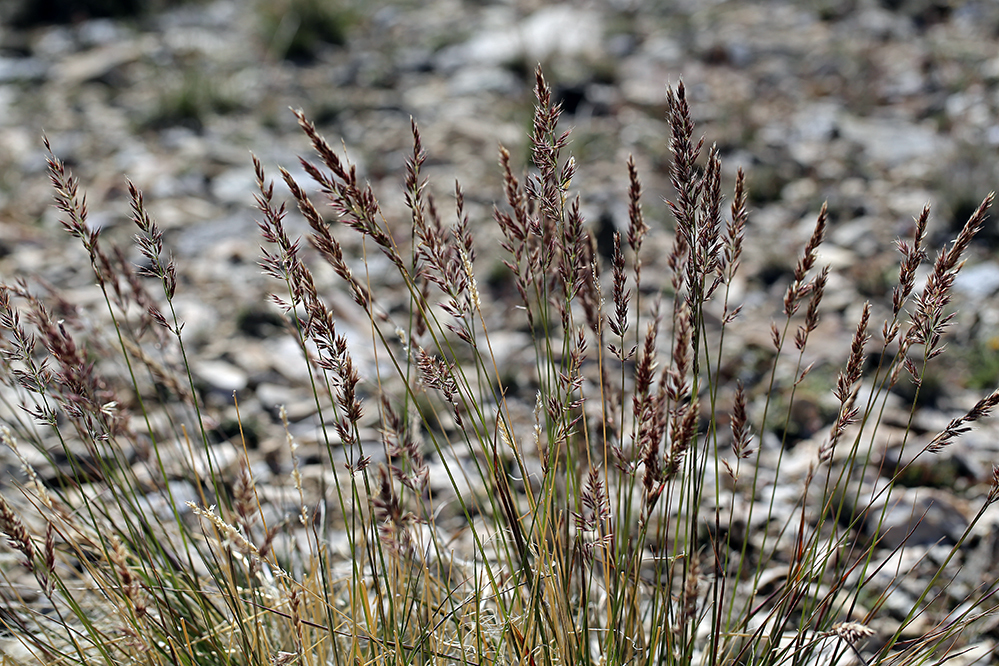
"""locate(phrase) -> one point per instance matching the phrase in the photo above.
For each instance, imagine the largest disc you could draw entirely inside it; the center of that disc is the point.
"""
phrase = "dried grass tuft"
(600, 505)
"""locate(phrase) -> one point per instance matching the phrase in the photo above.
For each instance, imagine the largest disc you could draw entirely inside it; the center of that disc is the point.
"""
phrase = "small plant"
(297, 29)
(617, 508)
(189, 101)
(982, 362)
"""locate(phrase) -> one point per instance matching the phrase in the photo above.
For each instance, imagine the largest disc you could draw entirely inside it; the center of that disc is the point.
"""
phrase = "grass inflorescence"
(618, 506)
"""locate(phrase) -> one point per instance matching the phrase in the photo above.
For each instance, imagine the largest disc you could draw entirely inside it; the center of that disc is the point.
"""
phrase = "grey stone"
(893, 142)
(22, 70)
(917, 517)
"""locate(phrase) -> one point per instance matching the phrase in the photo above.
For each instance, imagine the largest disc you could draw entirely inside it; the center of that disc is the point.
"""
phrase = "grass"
(618, 506)
(189, 101)
(297, 29)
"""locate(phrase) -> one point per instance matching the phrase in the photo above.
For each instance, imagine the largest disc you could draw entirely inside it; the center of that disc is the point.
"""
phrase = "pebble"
(978, 282)
(917, 517)
(221, 376)
(22, 70)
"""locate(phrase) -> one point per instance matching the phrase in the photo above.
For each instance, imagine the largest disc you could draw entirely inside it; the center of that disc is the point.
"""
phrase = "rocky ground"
(874, 106)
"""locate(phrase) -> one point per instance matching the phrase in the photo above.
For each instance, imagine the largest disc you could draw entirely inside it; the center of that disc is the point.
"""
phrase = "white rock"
(894, 142)
(979, 281)
(221, 376)
(559, 31)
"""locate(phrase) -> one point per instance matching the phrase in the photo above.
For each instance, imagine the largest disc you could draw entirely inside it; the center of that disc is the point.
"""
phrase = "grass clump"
(618, 508)
(297, 30)
(190, 100)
